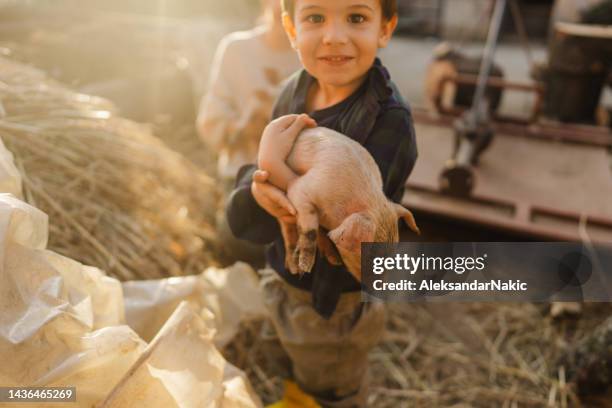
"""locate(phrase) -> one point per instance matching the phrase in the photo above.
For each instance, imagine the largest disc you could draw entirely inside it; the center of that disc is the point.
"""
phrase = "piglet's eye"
(315, 19)
(356, 18)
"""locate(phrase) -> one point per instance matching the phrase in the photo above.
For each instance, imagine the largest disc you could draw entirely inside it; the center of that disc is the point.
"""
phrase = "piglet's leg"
(355, 229)
(307, 225)
(290, 238)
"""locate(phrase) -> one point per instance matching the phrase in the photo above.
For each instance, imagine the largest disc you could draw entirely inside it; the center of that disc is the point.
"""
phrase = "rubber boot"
(294, 397)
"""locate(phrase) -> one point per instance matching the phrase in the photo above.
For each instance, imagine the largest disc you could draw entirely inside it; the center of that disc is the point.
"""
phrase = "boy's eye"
(356, 18)
(315, 18)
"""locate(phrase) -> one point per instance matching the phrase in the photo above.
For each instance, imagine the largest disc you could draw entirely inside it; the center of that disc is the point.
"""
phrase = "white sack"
(53, 313)
(181, 368)
(61, 325)
(10, 178)
(231, 294)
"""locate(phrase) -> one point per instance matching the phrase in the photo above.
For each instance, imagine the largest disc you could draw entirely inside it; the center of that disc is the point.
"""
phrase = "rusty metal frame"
(516, 216)
(493, 82)
(556, 131)
(519, 217)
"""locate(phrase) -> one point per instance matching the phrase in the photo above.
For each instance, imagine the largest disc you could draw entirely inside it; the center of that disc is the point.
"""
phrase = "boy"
(319, 317)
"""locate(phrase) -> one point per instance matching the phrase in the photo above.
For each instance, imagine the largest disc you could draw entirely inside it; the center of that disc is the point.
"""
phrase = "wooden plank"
(541, 187)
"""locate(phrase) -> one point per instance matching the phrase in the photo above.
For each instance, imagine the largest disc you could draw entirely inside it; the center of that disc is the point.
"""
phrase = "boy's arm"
(255, 205)
(245, 217)
(276, 143)
(392, 144)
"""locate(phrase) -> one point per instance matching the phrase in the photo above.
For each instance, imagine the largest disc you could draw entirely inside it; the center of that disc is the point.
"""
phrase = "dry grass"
(150, 67)
(117, 197)
(450, 355)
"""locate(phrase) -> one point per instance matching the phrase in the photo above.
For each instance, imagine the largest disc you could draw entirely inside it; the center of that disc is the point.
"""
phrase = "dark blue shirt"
(375, 116)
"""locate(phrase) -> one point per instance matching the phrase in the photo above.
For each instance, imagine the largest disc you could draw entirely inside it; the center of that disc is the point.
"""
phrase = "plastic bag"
(232, 294)
(62, 325)
(160, 377)
(10, 178)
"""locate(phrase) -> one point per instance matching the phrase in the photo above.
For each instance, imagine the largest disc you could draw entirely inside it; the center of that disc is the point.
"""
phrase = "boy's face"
(337, 40)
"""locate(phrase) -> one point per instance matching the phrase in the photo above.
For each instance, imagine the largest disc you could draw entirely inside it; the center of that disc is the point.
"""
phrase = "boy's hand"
(272, 199)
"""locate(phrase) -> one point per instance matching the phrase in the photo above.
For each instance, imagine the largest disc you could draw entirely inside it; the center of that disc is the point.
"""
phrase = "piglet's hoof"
(291, 262)
(306, 251)
(306, 258)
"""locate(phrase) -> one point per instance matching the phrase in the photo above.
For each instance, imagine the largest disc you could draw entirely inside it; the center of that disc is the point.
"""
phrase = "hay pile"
(117, 197)
(452, 355)
(153, 69)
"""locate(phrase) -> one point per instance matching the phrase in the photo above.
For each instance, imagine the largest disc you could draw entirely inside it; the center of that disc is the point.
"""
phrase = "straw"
(427, 360)
(116, 196)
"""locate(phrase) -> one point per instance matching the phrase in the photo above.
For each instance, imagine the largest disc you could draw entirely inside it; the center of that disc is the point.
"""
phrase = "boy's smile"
(336, 60)
(337, 42)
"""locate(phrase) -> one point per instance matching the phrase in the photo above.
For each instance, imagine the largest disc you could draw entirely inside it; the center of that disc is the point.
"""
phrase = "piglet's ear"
(407, 216)
(354, 230)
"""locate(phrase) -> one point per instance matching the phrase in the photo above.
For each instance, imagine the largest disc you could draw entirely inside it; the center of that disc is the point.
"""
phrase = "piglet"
(337, 187)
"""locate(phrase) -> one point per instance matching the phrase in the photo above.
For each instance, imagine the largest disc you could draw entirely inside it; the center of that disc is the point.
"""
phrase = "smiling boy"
(319, 318)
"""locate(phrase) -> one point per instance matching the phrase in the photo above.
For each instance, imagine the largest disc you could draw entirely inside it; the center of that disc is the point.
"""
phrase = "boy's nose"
(335, 33)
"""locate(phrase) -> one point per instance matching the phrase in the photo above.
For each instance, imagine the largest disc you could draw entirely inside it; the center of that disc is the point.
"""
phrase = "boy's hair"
(389, 8)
